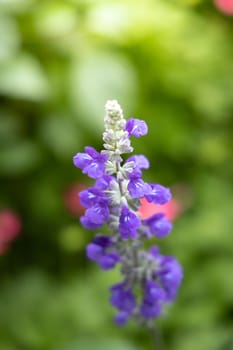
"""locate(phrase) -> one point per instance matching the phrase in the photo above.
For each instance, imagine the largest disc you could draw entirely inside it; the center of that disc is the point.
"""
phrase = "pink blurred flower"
(225, 6)
(10, 226)
(71, 199)
(172, 209)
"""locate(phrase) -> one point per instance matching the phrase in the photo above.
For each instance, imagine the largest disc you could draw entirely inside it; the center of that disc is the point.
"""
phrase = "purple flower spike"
(92, 162)
(158, 194)
(129, 223)
(136, 127)
(159, 225)
(150, 279)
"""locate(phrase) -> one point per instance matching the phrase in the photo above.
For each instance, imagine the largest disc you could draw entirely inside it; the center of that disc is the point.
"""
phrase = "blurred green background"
(169, 62)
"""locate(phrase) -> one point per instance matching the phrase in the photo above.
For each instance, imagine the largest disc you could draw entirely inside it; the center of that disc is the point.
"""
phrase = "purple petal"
(159, 194)
(94, 169)
(140, 161)
(123, 299)
(136, 127)
(159, 225)
(121, 318)
(108, 261)
(90, 196)
(87, 223)
(150, 310)
(171, 275)
(103, 182)
(95, 217)
(138, 188)
(129, 223)
(103, 241)
(81, 160)
(154, 251)
(91, 151)
(153, 292)
(94, 252)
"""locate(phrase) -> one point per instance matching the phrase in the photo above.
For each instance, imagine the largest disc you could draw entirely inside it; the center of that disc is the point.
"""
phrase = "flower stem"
(156, 338)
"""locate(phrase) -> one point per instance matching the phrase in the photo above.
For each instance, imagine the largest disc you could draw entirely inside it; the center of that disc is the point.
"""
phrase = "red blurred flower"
(72, 201)
(10, 226)
(225, 6)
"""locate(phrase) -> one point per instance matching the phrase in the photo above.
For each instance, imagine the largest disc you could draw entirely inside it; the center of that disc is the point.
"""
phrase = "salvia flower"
(150, 280)
(129, 223)
(92, 163)
(100, 251)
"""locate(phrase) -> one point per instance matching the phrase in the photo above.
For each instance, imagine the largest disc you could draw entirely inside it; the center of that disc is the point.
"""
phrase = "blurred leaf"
(19, 158)
(9, 38)
(55, 19)
(206, 338)
(10, 127)
(96, 344)
(15, 6)
(61, 134)
(72, 239)
(23, 77)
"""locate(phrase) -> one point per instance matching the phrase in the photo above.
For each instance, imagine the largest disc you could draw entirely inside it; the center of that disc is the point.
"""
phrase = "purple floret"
(170, 275)
(100, 251)
(91, 196)
(108, 261)
(129, 223)
(103, 241)
(137, 187)
(122, 318)
(95, 216)
(140, 161)
(150, 310)
(136, 127)
(94, 251)
(159, 225)
(158, 194)
(122, 298)
(92, 162)
(153, 292)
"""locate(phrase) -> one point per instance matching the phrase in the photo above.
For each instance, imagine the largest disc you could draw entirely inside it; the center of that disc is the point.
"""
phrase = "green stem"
(156, 338)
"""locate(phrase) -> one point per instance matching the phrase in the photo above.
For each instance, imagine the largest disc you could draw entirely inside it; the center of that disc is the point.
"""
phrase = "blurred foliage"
(168, 62)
